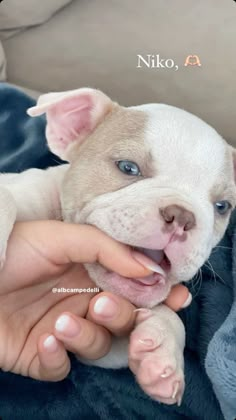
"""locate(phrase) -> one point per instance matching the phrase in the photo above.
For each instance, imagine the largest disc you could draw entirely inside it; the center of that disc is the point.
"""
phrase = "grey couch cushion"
(16, 15)
(96, 44)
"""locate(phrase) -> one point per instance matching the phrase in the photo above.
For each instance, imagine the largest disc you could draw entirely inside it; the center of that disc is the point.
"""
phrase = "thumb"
(86, 244)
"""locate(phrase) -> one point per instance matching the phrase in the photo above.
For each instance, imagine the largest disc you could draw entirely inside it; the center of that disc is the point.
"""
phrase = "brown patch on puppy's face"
(93, 163)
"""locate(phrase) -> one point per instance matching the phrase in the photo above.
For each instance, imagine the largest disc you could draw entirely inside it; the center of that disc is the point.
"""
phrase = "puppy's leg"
(31, 195)
(156, 354)
(8, 211)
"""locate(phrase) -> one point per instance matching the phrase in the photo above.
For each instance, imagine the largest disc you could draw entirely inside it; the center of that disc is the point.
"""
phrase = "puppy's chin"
(146, 292)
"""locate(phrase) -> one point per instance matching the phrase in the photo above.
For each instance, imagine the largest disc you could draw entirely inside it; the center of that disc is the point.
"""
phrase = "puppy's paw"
(156, 359)
(7, 219)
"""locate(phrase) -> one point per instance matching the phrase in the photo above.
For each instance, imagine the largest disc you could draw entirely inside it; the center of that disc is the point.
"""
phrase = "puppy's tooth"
(175, 391)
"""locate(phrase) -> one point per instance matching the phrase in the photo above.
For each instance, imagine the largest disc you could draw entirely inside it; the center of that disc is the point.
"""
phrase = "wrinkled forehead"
(180, 142)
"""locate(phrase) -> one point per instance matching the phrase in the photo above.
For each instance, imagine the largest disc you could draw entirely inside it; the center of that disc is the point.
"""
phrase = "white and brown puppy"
(154, 177)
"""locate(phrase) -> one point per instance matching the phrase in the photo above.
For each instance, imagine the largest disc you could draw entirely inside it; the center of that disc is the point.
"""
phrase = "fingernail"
(67, 326)
(188, 301)
(105, 306)
(50, 344)
(148, 263)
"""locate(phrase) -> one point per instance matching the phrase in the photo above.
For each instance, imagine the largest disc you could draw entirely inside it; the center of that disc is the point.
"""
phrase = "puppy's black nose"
(177, 214)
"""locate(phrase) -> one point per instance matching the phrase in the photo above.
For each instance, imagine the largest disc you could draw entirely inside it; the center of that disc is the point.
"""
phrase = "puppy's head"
(153, 176)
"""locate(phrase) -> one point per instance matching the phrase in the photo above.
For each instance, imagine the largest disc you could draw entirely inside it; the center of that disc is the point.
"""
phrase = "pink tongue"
(152, 279)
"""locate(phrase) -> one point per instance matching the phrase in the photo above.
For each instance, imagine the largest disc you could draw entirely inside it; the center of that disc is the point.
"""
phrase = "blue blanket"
(94, 393)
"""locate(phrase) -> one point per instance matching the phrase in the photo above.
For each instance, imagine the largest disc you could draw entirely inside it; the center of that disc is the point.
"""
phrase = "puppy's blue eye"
(128, 167)
(222, 207)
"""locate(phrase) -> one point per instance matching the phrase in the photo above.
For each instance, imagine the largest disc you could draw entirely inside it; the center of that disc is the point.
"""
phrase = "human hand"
(37, 327)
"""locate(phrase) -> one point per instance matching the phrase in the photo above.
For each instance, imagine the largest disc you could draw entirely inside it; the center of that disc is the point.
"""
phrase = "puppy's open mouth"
(154, 258)
(143, 291)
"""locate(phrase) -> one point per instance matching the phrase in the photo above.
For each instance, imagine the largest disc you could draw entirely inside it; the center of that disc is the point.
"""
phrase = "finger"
(179, 298)
(53, 361)
(112, 312)
(87, 244)
(83, 244)
(82, 336)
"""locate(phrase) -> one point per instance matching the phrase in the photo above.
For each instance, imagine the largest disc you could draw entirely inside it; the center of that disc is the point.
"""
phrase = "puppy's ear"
(71, 116)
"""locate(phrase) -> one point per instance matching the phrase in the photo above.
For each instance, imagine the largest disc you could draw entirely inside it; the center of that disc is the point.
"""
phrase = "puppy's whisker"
(220, 278)
(197, 282)
(210, 267)
(56, 161)
(215, 274)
